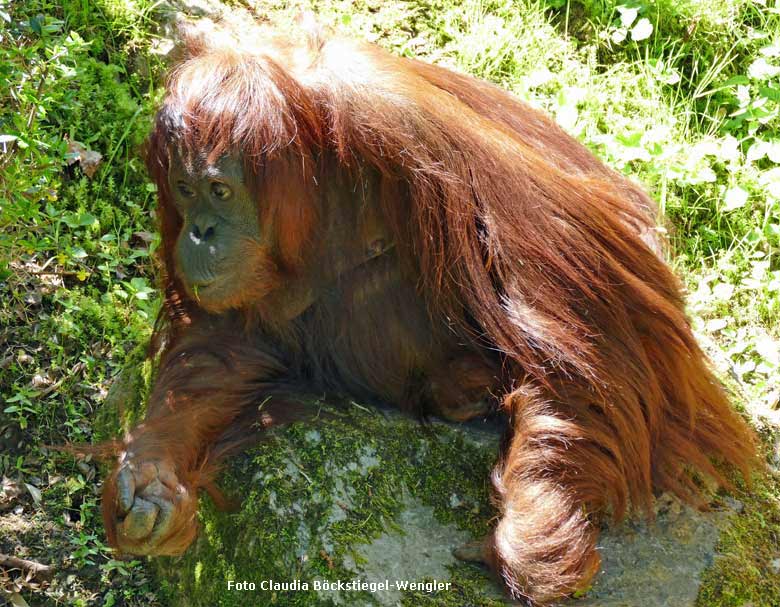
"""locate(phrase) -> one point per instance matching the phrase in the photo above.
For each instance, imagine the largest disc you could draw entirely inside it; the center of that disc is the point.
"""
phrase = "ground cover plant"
(681, 96)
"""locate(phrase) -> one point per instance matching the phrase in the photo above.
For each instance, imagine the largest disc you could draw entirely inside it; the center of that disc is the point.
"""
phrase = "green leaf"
(642, 30)
(735, 198)
(627, 15)
(36, 24)
(72, 220)
(770, 92)
(761, 69)
(86, 219)
(632, 140)
(716, 324)
(619, 35)
(736, 80)
(723, 291)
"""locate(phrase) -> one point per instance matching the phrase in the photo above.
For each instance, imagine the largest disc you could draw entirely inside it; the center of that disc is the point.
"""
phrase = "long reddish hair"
(520, 237)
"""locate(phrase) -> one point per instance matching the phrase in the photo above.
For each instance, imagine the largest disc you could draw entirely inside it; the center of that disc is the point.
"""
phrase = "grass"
(682, 96)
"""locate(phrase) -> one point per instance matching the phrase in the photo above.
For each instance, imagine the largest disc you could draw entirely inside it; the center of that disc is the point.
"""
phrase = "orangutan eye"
(220, 190)
(185, 190)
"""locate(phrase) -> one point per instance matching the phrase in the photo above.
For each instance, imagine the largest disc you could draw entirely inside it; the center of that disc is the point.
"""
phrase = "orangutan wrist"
(149, 447)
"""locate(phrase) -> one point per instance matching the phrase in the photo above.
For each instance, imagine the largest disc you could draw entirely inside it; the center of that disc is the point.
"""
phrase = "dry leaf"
(89, 160)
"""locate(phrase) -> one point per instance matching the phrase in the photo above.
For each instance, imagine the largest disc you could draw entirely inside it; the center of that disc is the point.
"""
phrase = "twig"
(39, 90)
(39, 570)
(55, 272)
(75, 369)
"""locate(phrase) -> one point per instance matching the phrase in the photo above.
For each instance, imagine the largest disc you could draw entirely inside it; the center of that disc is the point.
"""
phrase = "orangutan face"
(220, 251)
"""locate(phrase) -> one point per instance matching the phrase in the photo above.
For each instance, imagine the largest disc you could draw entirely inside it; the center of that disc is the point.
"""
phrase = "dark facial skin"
(220, 226)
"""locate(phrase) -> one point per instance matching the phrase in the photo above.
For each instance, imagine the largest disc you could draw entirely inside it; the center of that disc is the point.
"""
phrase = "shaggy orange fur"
(508, 243)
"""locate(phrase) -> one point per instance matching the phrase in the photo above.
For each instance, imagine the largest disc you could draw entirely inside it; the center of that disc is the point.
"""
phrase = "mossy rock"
(366, 495)
(124, 405)
(369, 495)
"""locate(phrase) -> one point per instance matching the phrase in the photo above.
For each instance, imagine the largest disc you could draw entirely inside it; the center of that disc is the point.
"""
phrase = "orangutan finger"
(164, 519)
(125, 490)
(139, 522)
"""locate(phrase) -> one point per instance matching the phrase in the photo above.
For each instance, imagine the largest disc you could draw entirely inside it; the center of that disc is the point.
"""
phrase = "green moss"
(125, 403)
(311, 495)
(744, 572)
(468, 588)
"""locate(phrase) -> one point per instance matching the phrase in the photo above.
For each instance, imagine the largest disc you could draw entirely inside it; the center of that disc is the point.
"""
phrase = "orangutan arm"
(206, 380)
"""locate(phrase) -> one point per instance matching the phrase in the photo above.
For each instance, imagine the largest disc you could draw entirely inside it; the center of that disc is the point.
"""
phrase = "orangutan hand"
(148, 510)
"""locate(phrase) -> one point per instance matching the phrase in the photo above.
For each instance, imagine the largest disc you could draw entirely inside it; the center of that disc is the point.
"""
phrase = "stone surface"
(374, 496)
(420, 548)
(656, 564)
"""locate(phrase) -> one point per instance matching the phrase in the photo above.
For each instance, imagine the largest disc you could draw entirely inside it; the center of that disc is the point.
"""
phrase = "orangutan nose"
(202, 231)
